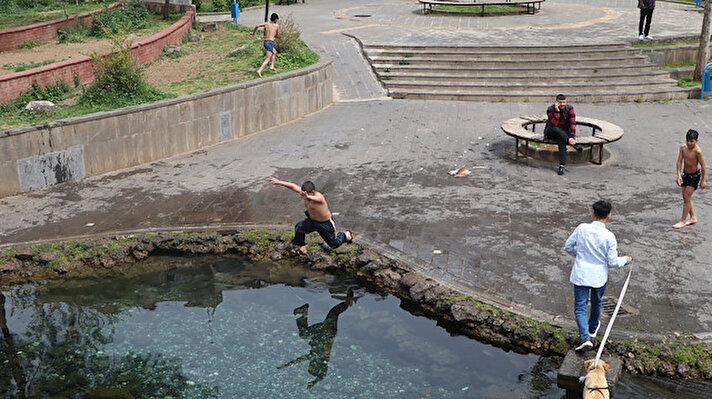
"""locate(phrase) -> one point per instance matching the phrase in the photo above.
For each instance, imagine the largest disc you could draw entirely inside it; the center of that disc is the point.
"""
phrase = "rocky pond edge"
(458, 312)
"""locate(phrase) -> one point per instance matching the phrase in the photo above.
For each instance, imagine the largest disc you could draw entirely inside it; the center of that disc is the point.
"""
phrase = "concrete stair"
(596, 73)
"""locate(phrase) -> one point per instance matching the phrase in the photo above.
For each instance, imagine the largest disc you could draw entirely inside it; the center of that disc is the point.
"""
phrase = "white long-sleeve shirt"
(595, 249)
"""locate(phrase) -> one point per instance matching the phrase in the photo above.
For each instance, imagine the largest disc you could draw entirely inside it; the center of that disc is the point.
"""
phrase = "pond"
(224, 327)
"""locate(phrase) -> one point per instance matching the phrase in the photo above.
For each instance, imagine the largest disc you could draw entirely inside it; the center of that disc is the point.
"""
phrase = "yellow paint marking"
(342, 14)
(328, 32)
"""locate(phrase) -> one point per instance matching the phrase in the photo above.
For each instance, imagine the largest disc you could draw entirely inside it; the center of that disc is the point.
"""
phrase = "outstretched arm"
(287, 184)
(262, 25)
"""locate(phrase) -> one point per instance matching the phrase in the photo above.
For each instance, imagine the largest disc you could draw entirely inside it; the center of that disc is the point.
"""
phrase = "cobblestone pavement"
(383, 167)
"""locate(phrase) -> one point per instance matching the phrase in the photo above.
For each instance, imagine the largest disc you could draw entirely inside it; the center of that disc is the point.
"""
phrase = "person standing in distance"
(595, 248)
(646, 14)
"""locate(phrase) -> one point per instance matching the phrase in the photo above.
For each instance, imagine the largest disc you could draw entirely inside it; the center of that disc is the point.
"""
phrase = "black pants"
(646, 14)
(561, 137)
(326, 230)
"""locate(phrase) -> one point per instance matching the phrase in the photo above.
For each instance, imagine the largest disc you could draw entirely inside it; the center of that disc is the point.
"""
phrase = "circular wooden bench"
(602, 132)
(532, 5)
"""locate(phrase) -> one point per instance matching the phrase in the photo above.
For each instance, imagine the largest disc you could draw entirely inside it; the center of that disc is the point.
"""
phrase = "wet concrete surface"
(383, 168)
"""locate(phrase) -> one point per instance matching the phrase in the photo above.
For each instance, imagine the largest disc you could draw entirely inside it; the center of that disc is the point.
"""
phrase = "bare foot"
(273, 68)
(259, 72)
(679, 225)
(691, 221)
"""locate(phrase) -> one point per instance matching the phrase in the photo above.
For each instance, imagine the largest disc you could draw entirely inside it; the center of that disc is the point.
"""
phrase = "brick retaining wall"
(12, 38)
(143, 52)
(32, 157)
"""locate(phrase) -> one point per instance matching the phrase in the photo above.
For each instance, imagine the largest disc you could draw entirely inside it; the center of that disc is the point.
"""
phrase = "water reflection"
(57, 353)
(321, 338)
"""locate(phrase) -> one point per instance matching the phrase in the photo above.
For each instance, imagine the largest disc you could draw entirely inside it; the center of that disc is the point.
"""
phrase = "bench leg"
(516, 147)
(600, 154)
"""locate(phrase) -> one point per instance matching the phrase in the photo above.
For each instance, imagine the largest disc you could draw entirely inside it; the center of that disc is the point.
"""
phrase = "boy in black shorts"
(688, 177)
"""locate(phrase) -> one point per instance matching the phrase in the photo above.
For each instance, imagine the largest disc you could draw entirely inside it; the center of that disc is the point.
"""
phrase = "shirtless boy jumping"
(690, 176)
(271, 33)
(318, 217)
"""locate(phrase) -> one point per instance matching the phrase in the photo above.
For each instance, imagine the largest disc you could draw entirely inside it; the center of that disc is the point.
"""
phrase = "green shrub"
(287, 42)
(73, 34)
(118, 81)
(128, 17)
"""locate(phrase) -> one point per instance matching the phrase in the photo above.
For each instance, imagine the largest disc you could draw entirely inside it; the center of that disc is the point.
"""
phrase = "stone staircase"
(596, 73)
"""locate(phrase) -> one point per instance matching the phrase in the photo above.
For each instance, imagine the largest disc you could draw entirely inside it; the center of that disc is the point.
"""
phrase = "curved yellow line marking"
(342, 14)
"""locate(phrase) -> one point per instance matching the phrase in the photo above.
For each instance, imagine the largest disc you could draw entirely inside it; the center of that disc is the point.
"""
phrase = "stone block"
(226, 132)
(64, 137)
(572, 368)
(182, 112)
(32, 143)
(51, 168)
(9, 180)
(207, 106)
(179, 136)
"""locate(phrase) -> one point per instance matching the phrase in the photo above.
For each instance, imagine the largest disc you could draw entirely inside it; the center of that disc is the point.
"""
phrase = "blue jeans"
(581, 294)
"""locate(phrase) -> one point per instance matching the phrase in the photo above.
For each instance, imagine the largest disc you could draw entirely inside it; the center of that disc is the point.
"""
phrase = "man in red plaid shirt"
(561, 127)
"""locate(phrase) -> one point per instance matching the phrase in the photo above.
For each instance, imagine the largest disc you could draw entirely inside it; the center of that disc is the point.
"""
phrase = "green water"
(219, 327)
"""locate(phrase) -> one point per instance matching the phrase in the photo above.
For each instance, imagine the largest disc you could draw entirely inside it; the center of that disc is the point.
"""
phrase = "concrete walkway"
(383, 167)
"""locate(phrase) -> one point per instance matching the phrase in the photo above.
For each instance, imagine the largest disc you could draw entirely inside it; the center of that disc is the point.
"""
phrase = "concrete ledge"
(98, 143)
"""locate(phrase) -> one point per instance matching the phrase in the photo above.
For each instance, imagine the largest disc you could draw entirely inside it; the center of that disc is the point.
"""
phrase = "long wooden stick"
(613, 318)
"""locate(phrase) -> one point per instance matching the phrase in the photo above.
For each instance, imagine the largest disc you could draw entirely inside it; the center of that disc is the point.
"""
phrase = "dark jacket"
(646, 3)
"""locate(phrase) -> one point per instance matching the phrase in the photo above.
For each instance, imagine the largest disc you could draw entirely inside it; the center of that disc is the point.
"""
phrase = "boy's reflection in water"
(321, 337)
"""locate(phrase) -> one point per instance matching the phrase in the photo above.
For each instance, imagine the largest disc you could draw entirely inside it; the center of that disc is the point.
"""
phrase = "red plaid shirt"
(565, 120)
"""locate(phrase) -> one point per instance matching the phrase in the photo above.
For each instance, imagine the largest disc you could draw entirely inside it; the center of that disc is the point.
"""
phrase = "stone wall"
(33, 157)
(12, 38)
(671, 55)
(143, 51)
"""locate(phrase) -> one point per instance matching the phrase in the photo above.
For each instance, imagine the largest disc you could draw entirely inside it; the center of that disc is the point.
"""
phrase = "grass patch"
(654, 43)
(688, 82)
(215, 69)
(685, 64)
(13, 17)
(23, 66)
(31, 44)
(493, 9)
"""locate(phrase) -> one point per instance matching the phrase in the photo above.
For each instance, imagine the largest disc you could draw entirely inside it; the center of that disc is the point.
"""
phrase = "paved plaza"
(383, 164)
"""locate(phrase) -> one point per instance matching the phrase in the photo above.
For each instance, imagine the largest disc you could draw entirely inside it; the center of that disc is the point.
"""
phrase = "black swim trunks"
(691, 179)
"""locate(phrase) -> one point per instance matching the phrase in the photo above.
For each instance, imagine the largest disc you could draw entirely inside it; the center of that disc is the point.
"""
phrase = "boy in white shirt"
(595, 248)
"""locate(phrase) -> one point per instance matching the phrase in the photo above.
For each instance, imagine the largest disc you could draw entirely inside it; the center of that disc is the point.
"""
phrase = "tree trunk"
(165, 9)
(703, 52)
